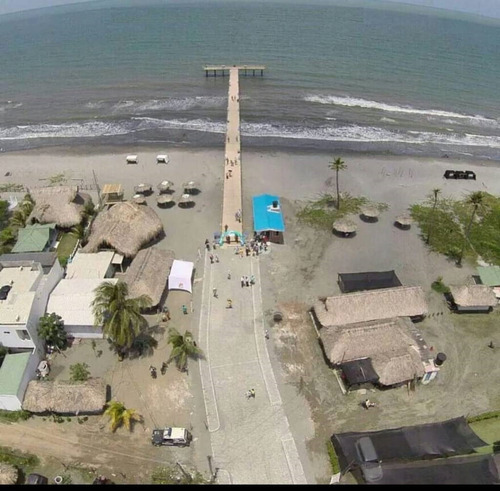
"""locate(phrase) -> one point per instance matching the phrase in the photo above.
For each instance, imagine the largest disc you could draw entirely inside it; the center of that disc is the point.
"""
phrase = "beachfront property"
(148, 274)
(372, 332)
(71, 299)
(268, 217)
(472, 298)
(26, 289)
(35, 238)
(125, 228)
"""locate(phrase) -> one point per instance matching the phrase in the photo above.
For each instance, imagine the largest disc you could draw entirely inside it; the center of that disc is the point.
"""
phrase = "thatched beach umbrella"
(404, 221)
(139, 199)
(143, 188)
(345, 226)
(165, 186)
(186, 198)
(189, 186)
(370, 211)
(164, 199)
(8, 474)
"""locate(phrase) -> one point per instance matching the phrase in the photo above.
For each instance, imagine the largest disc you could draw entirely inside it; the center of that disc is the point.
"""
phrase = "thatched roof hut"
(404, 221)
(164, 199)
(189, 185)
(370, 211)
(66, 397)
(474, 296)
(165, 186)
(139, 199)
(148, 273)
(62, 205)
(143, 188)
(186, 198)
(125, 227)
(350, 308)
(344, 226)
(395, 353)
(8, 473)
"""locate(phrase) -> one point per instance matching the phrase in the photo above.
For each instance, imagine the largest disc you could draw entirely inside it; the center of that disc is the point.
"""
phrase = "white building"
(91, 265)
(71, 299)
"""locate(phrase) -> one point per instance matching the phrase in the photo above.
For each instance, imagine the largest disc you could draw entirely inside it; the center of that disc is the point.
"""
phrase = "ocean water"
(338, 78)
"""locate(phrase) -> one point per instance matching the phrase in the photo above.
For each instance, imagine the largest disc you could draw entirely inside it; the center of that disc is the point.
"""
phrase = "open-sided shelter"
(125, 227)
(62, 205)
(112, 193)
(371, 280)
(149, 272)
(180, 276)
(473, 298)
(268, 217)
(66, 398)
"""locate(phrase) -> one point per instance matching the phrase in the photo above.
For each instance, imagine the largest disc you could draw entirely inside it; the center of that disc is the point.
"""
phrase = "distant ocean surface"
(338, 79)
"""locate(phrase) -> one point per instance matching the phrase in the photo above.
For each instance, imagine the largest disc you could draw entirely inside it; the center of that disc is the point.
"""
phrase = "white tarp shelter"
(180, 276)
(132, 159)
(162, 159)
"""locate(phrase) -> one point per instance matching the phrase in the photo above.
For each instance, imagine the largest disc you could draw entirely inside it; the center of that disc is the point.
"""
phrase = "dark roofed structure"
(46, 259)
(359, 372)
(372, 280)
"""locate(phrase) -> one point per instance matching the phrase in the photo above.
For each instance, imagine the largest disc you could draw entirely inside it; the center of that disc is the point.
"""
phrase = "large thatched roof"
(148, 273)
(65, 397)
(395, 354)
(62, 205)
(402, 301)
(8, 473)
(474, 296)
(125, 227)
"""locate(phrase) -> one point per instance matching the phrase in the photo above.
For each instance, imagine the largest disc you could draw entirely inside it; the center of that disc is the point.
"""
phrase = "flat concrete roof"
(71, 300)
(15, 309)
(12, 371)
(89, 265)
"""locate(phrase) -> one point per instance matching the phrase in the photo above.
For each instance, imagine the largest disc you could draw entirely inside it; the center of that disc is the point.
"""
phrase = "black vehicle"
(36, 479)
(449, 174)
(4, 291)
(459, 174)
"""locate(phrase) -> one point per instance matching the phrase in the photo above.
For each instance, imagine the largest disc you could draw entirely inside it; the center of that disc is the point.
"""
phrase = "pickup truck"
(171, 436)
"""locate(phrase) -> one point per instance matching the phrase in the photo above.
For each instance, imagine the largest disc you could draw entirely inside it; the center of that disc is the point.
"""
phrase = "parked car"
(370, 464)
(36, 479)
(459, 174)
(4, 291)
(170, 436)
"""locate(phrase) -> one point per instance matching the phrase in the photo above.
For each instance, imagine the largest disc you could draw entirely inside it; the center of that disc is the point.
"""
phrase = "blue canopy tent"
(268, 217)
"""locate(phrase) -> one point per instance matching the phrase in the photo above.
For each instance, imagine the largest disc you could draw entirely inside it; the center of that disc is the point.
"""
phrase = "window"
(23, 334)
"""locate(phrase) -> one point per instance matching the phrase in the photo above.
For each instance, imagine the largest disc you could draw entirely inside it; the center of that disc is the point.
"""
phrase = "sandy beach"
(296, 273)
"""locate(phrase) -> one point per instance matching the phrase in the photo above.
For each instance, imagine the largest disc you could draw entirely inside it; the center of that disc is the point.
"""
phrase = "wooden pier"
(224, 70)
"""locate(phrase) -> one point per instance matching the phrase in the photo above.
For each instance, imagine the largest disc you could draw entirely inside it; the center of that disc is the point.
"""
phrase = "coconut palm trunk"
(431, 225)
(337, 165)
(475, 199)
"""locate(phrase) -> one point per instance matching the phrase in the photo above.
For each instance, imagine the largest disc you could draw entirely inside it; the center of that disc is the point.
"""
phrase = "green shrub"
(439, 286)
(18, 459)
(334, 460)
(15, 416)
(79, 372)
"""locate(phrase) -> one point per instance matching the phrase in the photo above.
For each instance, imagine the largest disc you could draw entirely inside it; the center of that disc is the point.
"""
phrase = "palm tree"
(119, 415)
(119, 315)
(476, 200)
(337, 165)
(19, 218)
(182, 348)
(436, 193)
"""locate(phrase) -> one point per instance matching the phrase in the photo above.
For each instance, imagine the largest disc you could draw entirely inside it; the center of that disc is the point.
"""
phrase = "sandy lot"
(305, 267)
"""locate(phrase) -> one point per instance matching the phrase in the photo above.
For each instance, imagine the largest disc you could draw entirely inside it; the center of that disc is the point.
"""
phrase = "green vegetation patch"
(174, 475)
(22, 460)
(334, 460)
(322, 212)
(446, 223)
(66, 247)
(439, 286)
(14, 416)
(11, 188)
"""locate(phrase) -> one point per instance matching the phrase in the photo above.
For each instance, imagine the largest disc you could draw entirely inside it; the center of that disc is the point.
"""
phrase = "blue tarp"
(264, 216)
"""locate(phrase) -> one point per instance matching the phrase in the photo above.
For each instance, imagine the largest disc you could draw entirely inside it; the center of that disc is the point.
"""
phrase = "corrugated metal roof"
(265, 216)
(490, 275)
(33, 238)
(11, 372)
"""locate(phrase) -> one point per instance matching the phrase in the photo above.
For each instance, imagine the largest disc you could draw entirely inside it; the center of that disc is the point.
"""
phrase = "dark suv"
(368, 460)
(4, 291)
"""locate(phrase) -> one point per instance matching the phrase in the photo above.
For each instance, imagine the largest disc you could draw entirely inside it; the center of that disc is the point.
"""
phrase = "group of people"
(247, 280)
(250, 393)
(163, 370)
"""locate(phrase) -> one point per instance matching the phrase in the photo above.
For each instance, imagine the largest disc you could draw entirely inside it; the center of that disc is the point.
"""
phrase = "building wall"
(10, 338)
(10, 403)
(40, 304)
(87, 332)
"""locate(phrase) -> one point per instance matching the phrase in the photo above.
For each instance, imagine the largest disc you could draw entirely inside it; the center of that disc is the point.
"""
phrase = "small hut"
(8, 473)
(473, 298)
(66, 398)
(148, 273)
(370, 213)
(345, 227)
(125, 227)
(164, 200)
(165, 186)
(112, 193)
(62, 205)
(404, 221)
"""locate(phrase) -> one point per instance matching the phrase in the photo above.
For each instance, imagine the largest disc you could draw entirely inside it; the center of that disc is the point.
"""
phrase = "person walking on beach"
(229, 275)
(211, 258)
(247, 281)
(242, 281)
(266, 334)
(214, 290)
(163, 368)
(216, 258)
(184, 309)
(152, 371)
(207, 244)
(229, 304)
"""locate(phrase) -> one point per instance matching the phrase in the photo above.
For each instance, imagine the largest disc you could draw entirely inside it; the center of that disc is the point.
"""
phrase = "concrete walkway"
(232, 159)
(251, 439)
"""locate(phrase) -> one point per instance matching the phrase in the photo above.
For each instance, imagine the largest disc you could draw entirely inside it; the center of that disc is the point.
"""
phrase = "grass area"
(334, 460)
(26, 462)
(176, 475)
(66, 246)
(322, 212)
(487, 427)
(448, 222)
(14, 416)
(439, 286)
(11, 188)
